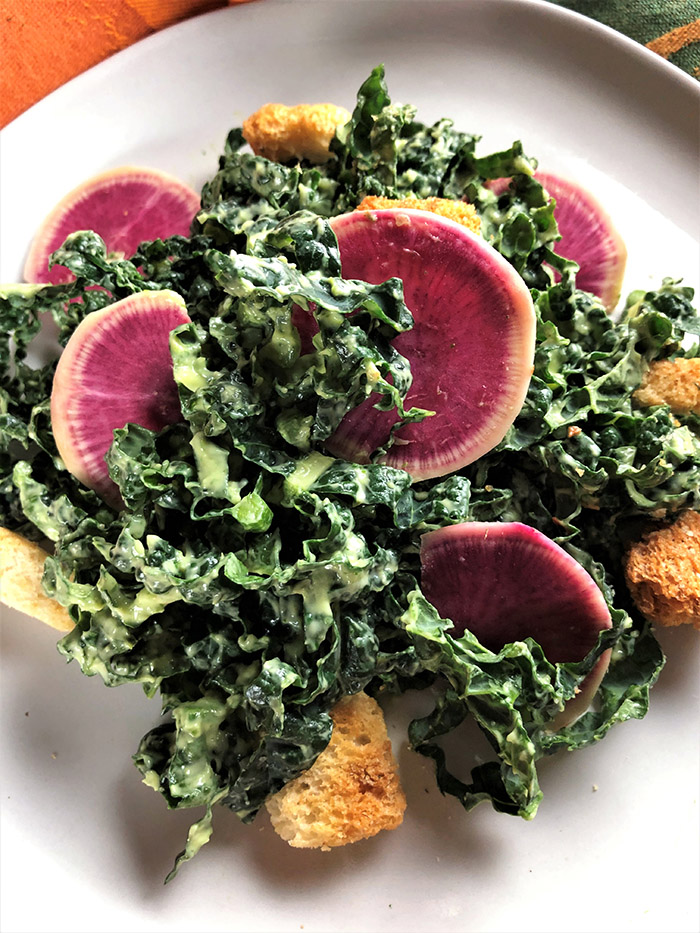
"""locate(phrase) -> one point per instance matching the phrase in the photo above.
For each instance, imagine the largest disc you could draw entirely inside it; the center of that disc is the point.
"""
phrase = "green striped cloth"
(671, 28)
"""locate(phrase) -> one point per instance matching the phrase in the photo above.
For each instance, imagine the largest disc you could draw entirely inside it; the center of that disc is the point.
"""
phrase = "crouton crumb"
(351, 792)
(675, 383)
(21, 570)
(283, 134)
(663, 572)
(459, 211)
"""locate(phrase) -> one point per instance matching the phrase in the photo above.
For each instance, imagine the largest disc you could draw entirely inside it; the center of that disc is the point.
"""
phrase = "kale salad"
(250, 580)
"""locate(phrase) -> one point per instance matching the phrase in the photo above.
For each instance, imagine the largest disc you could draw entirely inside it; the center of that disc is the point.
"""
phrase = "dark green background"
(645, 20)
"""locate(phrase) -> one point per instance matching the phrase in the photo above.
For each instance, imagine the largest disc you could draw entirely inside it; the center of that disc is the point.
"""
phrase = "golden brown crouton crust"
(281, 133)
(675, 383)
(663, 572)
(459, 211)
(352, 790)
(21, 570)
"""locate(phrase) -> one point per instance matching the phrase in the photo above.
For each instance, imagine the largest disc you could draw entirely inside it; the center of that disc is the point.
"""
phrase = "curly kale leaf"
(384, 150)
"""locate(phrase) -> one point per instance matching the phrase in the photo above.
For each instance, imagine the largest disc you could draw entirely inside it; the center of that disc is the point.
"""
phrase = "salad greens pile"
(250, 579)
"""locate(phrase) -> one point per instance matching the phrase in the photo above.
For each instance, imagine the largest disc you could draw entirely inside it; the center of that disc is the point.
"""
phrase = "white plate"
(85, 846)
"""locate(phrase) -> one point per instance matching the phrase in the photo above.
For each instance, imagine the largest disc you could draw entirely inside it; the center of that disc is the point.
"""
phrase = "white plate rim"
(664, 69)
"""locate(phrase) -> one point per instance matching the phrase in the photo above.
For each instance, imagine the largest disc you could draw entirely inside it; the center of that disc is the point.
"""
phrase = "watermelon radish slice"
(505, 581)
(471, 349)
(125, 206)
(115, 369)
(588, 236)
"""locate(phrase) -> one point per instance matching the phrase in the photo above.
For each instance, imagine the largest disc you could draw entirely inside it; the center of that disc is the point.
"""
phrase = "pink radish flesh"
(588, 236)
(471, 349)
(125, 206)
(306, 325)
(506, 581)
(115, 369)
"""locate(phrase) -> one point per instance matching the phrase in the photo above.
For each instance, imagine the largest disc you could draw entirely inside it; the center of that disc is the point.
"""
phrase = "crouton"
(663, 572)
(352, 790)
(675, 383)
(281, 133)
(459, 211)
(21, 570)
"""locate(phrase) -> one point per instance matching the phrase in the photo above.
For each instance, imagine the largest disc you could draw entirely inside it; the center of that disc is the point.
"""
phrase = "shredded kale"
(251, 580)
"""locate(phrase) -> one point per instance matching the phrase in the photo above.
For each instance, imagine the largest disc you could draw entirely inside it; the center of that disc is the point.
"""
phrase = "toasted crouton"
(459, 211)
(352, 790)
(675, 383)
(21, 570)
(281, 133)
(663, 572)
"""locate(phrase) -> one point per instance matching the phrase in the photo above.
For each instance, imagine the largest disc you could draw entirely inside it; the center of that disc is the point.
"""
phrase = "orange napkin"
(44, 43)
